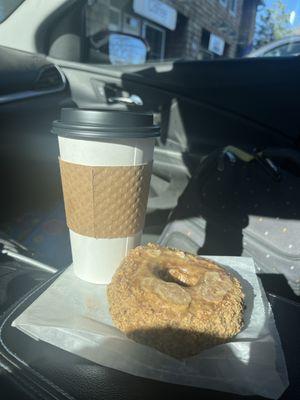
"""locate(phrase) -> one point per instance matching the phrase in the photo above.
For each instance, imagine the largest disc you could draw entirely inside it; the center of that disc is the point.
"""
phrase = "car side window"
(171, 30)
(140, 31)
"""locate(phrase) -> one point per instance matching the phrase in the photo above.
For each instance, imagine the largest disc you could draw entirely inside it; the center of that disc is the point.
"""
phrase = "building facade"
(187, 29)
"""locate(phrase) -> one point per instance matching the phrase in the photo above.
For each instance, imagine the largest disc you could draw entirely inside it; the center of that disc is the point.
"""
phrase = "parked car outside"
(286, 47)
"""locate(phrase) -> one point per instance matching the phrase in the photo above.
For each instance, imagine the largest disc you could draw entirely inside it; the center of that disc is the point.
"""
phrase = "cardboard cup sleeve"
(105, 201)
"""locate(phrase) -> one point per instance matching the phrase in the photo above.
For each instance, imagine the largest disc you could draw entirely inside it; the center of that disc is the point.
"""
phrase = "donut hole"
(164, 275)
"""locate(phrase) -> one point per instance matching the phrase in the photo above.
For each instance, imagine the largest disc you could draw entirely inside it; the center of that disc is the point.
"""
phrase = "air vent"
(49, 79)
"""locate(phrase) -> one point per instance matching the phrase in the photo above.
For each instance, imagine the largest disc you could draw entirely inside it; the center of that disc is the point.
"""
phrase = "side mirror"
(119, 48)
(126, 49)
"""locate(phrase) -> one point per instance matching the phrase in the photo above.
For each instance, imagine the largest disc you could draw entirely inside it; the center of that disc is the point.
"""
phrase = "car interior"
(225, 181)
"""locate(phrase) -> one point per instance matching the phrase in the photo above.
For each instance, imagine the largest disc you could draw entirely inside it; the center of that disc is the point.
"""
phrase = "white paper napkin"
(74, 315)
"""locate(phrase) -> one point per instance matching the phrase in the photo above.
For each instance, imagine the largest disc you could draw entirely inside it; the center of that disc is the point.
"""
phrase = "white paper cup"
(95, 139)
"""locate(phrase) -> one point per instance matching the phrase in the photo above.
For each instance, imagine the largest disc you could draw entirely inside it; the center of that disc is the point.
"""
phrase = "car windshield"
(7, 7)
(194, 29)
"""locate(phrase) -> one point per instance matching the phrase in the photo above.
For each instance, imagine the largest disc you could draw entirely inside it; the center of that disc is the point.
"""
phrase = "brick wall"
(207, 14)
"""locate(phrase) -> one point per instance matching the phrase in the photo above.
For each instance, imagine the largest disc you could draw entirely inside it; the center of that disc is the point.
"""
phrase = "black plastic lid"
(100, 124)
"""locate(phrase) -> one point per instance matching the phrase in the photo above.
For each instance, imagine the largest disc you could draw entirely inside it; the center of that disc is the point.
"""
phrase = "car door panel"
(200, 106)
(227, 91)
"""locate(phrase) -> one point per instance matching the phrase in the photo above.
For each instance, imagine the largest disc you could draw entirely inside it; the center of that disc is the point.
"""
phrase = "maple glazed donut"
(175, 302)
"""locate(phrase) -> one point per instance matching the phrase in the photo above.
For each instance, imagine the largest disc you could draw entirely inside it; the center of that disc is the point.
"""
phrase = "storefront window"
(233, 6)
(223, 2)
(155, 38)
(131, 24)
